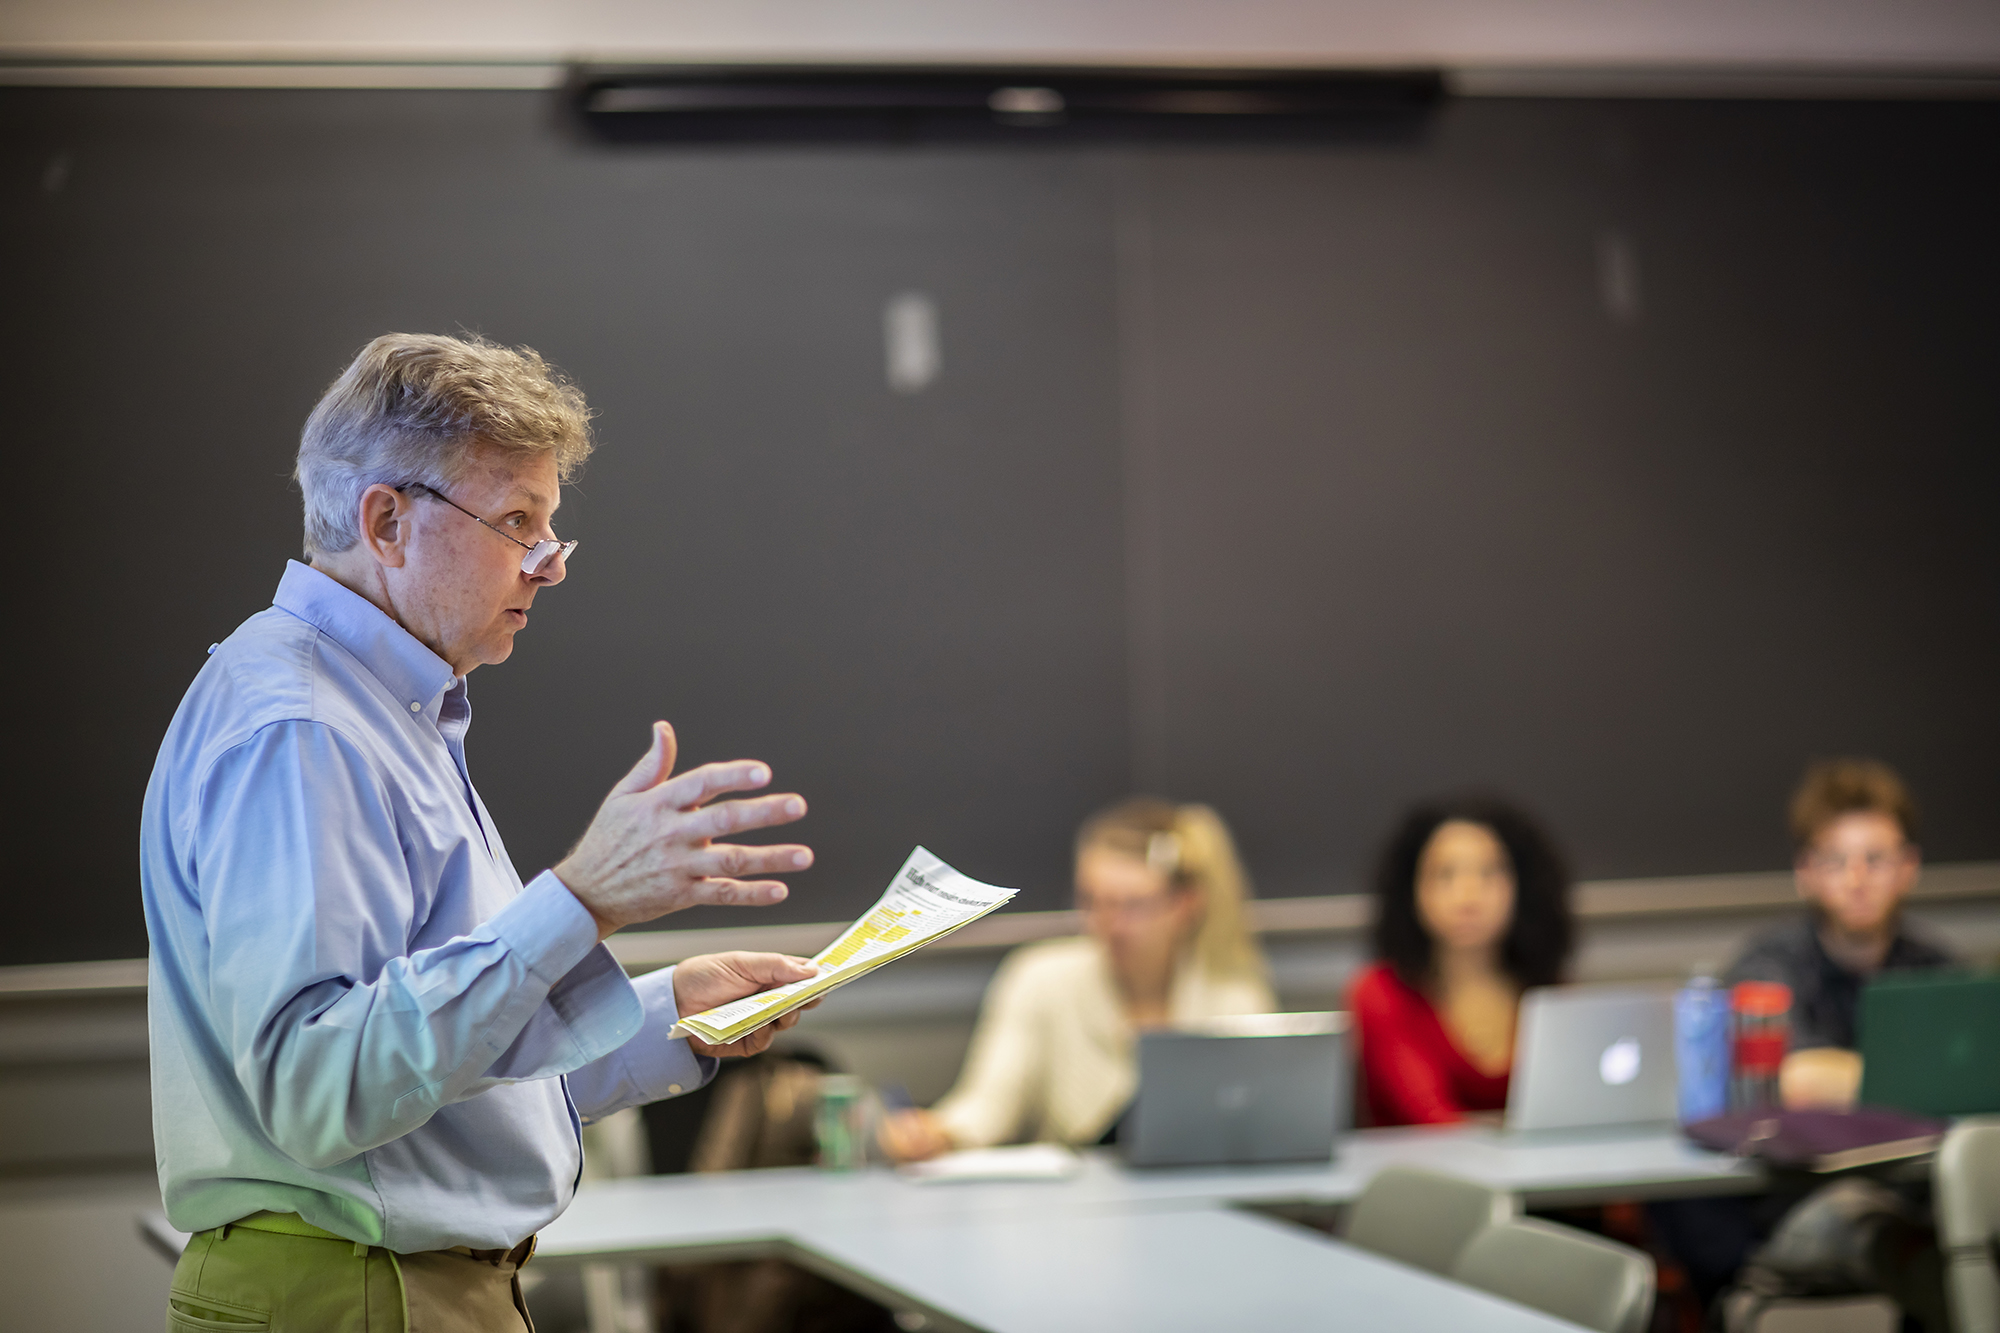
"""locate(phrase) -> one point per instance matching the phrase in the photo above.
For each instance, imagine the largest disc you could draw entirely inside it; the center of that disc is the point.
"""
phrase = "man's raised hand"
(652, 847)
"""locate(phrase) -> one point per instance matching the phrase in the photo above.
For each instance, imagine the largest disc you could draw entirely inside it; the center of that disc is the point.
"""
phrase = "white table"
(1179, 1270)
(990, 1255)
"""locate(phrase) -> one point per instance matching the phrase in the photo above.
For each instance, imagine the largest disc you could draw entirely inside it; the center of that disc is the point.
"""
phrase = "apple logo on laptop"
(1619, 1064)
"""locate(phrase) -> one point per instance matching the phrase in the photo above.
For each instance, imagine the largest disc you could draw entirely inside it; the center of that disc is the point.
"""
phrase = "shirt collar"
(411, 672)
(1899, 954)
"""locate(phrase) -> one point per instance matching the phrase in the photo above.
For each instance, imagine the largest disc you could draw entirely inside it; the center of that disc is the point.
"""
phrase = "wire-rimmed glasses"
(538, 555)
(1872, 864)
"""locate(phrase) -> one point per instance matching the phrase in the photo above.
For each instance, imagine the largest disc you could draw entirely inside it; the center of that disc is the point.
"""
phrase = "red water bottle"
(1762, 1014)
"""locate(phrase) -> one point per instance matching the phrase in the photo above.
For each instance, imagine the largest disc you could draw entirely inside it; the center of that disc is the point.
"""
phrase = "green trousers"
(278, 1274)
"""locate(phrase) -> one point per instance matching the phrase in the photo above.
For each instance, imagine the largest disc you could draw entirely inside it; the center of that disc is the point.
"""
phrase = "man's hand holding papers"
(714, 978)
(926, 901)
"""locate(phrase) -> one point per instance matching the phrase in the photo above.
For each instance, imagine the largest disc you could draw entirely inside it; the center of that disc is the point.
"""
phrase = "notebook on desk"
(1592, 1057)
(1238, 1091)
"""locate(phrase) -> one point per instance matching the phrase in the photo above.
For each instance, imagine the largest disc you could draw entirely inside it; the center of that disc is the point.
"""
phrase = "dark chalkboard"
(1624, 455)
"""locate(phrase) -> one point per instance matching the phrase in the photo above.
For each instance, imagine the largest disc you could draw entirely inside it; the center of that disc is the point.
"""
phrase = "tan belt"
(291, 1224)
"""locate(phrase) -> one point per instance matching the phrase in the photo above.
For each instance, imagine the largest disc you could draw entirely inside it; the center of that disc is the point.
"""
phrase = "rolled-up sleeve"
(651, 1066)
(340, 1037)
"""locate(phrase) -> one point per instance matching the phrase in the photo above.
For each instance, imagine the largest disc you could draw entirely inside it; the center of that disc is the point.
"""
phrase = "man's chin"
(499, 650)
(1861, 924)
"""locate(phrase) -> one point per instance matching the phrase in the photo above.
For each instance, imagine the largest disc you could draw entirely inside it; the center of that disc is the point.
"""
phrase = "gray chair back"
(1967, 1193)
(1422, 1218)
(160, 1236)
(1561, 1271)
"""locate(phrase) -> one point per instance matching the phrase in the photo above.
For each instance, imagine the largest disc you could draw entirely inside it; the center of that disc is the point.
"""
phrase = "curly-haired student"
(1472, 908)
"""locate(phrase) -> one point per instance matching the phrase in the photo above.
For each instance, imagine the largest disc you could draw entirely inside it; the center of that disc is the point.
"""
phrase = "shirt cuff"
(546, 927)
(663, 1066)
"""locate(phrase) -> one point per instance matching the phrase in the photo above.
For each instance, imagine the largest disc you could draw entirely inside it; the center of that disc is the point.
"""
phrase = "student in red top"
(1472, 908)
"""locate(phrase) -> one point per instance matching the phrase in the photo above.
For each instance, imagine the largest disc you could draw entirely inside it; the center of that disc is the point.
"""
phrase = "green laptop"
(1930, 1042)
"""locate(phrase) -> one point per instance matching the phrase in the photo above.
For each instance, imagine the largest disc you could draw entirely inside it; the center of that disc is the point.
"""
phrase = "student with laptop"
(1166, 944)
(1855, 827)
(1472, 908)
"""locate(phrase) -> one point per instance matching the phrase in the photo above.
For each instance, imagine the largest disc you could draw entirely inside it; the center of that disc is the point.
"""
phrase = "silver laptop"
(1261, 1088)
(1593, 1057)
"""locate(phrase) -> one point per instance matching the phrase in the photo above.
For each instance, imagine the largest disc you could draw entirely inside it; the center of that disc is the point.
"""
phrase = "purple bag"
(1820, 1140)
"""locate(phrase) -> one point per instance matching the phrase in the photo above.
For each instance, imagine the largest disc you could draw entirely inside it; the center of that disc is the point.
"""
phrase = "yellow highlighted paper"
(926, 901)
(877, 925)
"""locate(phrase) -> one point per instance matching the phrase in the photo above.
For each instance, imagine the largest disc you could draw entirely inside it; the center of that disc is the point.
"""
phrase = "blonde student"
(1162, 899)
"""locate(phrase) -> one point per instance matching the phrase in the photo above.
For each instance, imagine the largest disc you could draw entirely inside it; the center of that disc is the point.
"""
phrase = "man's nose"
(554, 570)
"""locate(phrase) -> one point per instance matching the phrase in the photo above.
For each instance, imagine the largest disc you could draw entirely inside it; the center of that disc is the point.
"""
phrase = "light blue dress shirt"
(358, 1013)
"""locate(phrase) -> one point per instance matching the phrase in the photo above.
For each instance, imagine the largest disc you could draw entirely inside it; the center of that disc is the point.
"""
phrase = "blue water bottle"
(1701, 1048)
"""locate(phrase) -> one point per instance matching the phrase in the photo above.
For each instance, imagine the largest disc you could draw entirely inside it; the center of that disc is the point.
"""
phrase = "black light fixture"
(841, 101)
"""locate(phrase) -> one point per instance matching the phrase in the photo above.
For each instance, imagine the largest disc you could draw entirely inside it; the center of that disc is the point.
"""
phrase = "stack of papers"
(926, 901)
(1027, 1161)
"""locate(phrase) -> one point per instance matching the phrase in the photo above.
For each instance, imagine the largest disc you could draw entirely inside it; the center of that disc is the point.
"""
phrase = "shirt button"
(416, 707)
(673, 1089)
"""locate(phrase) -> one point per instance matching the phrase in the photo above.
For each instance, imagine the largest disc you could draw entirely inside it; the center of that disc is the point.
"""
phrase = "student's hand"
(709, 979)
(651, 849)
(1822, 1078)
(913, 1135)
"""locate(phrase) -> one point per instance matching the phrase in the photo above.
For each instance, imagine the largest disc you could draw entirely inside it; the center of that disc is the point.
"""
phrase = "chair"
(1422, 1218)
(1967, 1194)
(1561, 1271)
(160, 1236)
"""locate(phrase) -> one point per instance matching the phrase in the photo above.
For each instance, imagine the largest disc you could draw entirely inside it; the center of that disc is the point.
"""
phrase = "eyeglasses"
(1871, 864)
(538, 555)
(1124, 909)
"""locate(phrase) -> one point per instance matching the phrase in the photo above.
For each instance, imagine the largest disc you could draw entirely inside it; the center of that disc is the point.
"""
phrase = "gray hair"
(414, 407)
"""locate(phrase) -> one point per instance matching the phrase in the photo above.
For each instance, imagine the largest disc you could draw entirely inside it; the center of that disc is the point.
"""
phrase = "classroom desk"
(673, 1215)
(1026, 1247)
(1211, 1271)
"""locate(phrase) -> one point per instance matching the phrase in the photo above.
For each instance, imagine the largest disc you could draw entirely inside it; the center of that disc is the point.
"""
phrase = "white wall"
(1877, 34)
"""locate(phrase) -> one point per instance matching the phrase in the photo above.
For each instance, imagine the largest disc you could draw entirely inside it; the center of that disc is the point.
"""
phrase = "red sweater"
(1412, 1072)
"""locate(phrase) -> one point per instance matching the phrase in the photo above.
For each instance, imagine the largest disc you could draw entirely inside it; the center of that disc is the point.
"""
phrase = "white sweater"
(1054, 1058)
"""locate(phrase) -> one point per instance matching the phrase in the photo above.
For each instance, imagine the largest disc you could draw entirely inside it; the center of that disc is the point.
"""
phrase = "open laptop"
(1930, 1042)
(1260, 1088)
(1588, 1057)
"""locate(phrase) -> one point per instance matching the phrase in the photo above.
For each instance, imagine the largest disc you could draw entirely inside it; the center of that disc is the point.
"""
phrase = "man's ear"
(386, 515)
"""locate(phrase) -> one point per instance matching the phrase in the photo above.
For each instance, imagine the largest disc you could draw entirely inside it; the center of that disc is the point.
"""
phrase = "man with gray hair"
(372, 1045)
